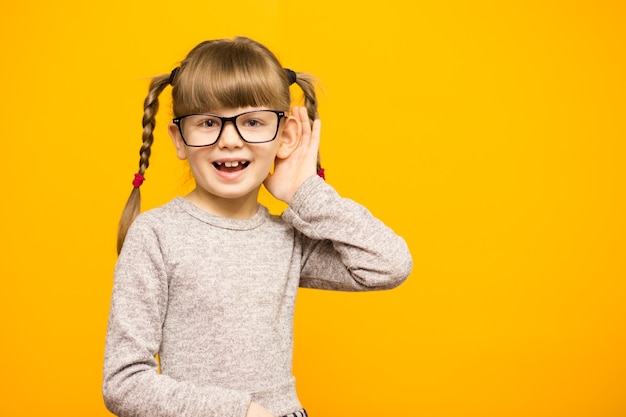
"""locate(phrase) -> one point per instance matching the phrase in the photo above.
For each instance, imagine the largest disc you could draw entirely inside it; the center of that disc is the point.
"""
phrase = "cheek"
(197, 159)
(268, 157)
(265, 165)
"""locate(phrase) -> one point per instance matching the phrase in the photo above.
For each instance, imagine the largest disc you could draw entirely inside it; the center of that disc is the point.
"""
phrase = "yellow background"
(490, 134)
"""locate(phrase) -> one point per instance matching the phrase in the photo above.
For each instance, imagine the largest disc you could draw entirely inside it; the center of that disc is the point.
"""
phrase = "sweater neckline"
(223, 222)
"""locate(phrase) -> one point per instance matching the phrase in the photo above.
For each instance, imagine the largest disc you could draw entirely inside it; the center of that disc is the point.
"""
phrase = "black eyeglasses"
(258, 126)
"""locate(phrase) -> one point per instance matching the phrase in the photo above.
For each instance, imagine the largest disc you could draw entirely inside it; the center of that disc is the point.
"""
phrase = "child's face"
(231, 169)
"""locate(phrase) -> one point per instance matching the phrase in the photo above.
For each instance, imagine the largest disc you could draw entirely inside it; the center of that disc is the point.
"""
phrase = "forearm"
(345, 239)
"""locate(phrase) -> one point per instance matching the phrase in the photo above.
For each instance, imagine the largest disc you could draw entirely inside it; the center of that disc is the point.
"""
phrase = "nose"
(229, 137)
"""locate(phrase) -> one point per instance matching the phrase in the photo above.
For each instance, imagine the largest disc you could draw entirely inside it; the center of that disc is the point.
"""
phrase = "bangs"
(230, 78)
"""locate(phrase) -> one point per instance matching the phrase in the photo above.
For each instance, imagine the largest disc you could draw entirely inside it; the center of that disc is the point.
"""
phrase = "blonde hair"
(222, 73)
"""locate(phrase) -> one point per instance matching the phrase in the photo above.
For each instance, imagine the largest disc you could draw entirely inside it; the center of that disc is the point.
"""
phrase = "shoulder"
(164, 213)
(151, 228)
(156, 219)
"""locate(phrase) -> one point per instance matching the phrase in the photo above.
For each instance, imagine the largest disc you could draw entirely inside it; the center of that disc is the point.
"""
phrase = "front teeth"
(230, 164)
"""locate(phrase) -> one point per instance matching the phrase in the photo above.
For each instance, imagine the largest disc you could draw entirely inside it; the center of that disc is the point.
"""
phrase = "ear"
(289, 137)
(181, 148)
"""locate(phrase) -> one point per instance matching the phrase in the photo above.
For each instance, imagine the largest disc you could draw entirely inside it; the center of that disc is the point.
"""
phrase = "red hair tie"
(320, 172)
(139, 179)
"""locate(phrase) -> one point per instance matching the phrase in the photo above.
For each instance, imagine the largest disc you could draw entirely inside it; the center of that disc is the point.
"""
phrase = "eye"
(251, 123)
(209, 122)
(203, 122)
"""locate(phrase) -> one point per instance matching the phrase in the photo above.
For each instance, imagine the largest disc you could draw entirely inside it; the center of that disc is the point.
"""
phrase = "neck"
(242, 207)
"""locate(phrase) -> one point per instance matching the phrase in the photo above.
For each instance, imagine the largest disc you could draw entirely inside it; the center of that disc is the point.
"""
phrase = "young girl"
(207, 283)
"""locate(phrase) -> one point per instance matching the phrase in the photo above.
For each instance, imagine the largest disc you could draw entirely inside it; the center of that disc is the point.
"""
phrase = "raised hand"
(290, 172)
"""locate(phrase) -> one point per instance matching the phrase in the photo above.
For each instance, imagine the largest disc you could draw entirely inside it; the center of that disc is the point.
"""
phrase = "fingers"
(305, 124)
(315, 133)
(310, 135)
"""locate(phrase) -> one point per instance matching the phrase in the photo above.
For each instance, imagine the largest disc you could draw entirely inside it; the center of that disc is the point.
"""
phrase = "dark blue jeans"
(301, 413)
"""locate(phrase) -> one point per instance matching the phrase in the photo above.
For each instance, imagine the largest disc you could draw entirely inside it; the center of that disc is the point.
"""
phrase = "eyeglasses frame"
(233, 119)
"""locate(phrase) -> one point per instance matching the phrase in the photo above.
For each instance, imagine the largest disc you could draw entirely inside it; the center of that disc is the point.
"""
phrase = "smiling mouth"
(231, 166)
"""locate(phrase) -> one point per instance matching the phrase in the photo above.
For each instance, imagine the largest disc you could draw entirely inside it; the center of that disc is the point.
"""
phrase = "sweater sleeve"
(132, 384)
(344, 246)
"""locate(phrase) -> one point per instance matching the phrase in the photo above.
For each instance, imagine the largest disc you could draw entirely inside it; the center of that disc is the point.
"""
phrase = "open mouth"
(231, 166)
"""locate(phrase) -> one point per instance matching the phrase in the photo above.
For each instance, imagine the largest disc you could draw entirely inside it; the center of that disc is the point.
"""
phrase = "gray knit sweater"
(214, 299)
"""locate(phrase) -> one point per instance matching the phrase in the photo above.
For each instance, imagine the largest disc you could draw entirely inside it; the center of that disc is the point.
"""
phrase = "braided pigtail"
(151, 107)
(306, 82)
